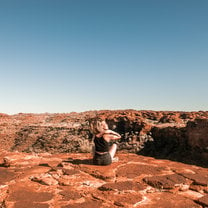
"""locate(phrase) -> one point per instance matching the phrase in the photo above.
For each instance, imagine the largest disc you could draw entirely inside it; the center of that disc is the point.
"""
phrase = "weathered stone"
(100, 172)
(45, 179)
(30, 196)
(199, 179)
(6, 175)
(164, 199)
(70, 195)
(170, 133)
(203, 201)
(79, 183)
(86, 204)
(28, 204)
(165, 181)
(135, 170)
(70, 171)
(125, 199)
(3, 192)
(6, 162)
(199, 188)
(123, 185)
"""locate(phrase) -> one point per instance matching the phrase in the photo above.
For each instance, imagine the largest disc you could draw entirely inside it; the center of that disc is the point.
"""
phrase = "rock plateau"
(163, 160)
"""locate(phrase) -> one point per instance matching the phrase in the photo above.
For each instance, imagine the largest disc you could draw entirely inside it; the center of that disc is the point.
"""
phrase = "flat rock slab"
(134, 170)
(28, 204)
(86, 204)
(70, 195)
(31, 196)
(105, 173)
(199, 178)
(203, 201)
(71, 180)
(122, 186)
(6, 175)
(121, 199)
(168, 200)
(166, 181)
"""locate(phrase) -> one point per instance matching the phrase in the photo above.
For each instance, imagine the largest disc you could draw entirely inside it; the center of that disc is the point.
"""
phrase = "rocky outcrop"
(65, 180)
(44, 161)
(172, 135)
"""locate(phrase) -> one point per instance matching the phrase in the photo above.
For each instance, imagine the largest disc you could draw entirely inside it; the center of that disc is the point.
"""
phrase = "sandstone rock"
(166, 131)
(86, 204)
(122, 185)
(31, 196)
(135, 170)
(6, 162)
(6, 175)
(99, 172)
(127, 199)
(30, 204)
(199, 179)
(166, 181)
(45, 179)
(70, 195)
(164, 199)
(3, 192)
(203, 201)
(198, 188)
(78, 183)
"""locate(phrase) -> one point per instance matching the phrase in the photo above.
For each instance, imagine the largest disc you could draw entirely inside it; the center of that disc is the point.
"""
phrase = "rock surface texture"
(71, 180)
(180, 136)
(163, 161)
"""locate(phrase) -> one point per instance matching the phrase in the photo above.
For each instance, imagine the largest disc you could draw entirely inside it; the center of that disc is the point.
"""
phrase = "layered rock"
(169, 134)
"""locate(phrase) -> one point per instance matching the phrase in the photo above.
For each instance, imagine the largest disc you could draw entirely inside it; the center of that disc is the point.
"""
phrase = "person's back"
(103, 155)
(101, 145)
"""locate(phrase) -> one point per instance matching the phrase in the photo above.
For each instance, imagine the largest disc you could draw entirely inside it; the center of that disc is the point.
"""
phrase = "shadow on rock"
(174, 152)
(80, 161)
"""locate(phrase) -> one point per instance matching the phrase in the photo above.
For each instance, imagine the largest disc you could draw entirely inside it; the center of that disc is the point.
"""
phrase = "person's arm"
(111, 135)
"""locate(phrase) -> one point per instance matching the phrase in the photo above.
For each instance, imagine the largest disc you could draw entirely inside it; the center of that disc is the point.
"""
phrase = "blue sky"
(77, 55)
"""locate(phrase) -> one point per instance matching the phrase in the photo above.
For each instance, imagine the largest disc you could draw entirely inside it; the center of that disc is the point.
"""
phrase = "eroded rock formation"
(172, 135)
(44, 161)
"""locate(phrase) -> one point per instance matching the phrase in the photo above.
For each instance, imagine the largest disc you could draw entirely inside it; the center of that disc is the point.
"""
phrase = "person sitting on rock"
(103, 153)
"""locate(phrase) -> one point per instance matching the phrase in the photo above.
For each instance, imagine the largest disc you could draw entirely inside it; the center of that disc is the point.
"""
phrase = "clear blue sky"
(78, 55)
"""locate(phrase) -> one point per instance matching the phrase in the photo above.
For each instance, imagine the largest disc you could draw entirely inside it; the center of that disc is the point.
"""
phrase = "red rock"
(198, 178)
(28, 204)
(70, 171)
(101, 172)
(164, 199)
(203, 201)
(62, 133)
(125, 199)
(31, 196)
(86, 204)
(6, 175)
(199, 188)
(117, 185)
(165, 181)
(3, 192)
(135, 170)
(45, 179)
(123, 185)
(69, 194)
(6, 162)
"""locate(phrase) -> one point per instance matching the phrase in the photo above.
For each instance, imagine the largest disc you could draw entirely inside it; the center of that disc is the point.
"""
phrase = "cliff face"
(173, 135)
